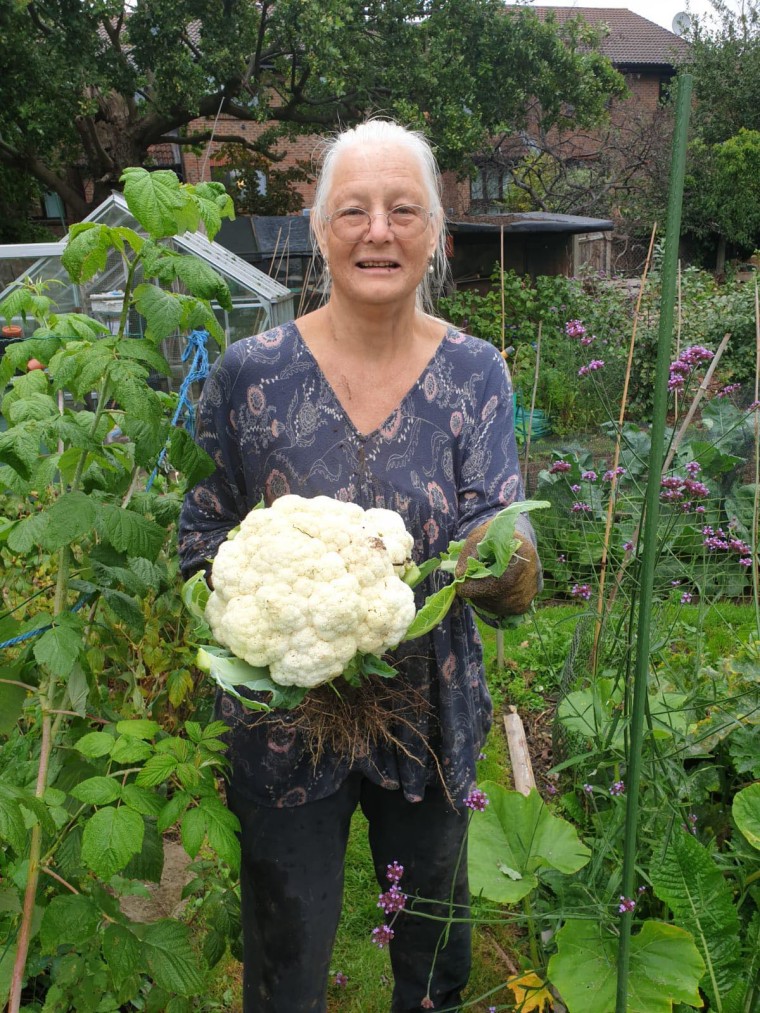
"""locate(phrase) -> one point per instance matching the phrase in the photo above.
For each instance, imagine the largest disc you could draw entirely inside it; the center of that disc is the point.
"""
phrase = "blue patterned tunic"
(445, 459)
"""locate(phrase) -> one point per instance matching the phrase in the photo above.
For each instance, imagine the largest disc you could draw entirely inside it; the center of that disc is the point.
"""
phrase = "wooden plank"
(519, 756)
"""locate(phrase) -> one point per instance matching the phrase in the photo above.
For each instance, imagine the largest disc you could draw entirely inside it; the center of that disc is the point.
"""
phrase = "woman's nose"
(379, 226)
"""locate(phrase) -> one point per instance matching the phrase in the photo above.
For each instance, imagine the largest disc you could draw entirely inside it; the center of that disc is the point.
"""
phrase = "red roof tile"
(631, 41)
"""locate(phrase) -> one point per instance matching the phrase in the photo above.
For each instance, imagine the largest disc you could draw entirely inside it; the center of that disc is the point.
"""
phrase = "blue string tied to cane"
(196, 346)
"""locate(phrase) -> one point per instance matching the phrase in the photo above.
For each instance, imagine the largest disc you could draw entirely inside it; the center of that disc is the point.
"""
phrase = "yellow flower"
(530, 992)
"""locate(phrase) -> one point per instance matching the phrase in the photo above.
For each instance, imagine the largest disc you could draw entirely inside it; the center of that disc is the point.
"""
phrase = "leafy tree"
(102, 81)
(725, 62)
(723, 191)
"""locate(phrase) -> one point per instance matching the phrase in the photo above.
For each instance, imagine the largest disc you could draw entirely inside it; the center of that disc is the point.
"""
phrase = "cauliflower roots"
(307, 583)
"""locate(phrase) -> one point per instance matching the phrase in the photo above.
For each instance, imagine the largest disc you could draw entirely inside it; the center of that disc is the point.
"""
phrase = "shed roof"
(632, 41)
(530, 221)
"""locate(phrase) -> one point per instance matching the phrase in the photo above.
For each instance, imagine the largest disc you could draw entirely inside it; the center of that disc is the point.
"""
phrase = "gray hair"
(378, 134)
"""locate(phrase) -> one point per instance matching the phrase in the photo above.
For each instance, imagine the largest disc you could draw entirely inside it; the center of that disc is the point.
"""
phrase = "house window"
(489, 184)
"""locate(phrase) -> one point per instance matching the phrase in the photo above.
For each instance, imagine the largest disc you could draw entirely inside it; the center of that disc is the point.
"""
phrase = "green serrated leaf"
(12, 824)
(173, 809)
(97, 790)
(171, 959)
(145, 802)
(86, 251)
(127, 750)
(129, 532)
(68, 918)
(145, 352)
(138, 728)
(158, 768)
(121, 950)
(111, 836)
(95, 744)
(222, 827)
(162, 311)
(69, 518)
(188, 458)
(156, 201)
(193, 831)
(58, 650)
(179, 684)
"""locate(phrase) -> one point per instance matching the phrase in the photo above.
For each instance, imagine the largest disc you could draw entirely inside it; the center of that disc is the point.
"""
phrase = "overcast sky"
(661, 12)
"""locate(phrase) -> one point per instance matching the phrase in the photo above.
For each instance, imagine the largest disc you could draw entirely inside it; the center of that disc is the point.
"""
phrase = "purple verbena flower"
(559, 466)
(686, 598)
(575, 488)
(695, 489)
(588, 788)
(626, 904)
(628, 546)
(341, 979)
(394, 872)
(574, 329)
(581, 591)
(392, 900)
(589, 476)
(728, 389)
(382, 935)
(591, 367)
(477, 800)
(693, 468)
(617, 788)
(613, 473)
(745, 561)
(580, 508)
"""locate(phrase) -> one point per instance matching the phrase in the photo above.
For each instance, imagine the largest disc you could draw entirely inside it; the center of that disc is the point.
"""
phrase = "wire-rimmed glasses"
(352, 225)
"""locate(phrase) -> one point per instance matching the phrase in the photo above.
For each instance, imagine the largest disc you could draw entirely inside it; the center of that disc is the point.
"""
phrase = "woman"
(369, 399)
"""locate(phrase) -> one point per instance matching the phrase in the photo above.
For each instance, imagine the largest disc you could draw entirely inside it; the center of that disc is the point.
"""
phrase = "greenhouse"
(258, 301)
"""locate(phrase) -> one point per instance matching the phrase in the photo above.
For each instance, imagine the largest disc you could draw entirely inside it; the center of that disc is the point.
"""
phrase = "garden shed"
(534, 243)
(258, 301)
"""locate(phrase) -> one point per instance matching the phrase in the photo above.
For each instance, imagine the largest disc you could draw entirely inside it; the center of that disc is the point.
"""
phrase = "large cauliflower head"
(306, 583)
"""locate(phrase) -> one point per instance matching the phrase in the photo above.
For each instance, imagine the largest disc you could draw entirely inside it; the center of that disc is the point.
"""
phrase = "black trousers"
(292, 888)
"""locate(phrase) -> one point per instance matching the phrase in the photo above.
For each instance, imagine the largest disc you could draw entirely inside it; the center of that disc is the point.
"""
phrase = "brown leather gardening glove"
(510, 594)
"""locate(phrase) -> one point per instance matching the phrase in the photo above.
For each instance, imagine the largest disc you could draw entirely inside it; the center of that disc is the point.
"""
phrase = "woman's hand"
(510, 594)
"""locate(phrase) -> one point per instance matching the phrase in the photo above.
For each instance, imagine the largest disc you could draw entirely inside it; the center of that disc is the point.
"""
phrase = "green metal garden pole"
(651, 518)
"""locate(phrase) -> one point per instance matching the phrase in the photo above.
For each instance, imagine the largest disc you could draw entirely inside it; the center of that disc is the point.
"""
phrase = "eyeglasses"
(352, 225)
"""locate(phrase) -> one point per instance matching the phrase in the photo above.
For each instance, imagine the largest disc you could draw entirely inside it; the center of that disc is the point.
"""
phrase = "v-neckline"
(412, 387)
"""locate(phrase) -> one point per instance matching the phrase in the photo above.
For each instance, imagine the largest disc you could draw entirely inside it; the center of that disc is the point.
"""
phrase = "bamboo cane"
(651, 518)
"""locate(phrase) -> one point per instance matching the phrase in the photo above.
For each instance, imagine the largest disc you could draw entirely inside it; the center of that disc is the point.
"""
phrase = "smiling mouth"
(387, 264)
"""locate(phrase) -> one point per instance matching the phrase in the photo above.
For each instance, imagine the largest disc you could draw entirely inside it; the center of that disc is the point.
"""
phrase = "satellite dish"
(681, 23)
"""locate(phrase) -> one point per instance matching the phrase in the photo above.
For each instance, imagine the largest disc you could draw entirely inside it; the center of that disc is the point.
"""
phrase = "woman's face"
(380, 268)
